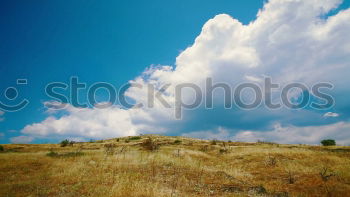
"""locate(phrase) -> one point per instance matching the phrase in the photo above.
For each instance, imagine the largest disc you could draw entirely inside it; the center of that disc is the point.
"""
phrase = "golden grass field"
(180, 167)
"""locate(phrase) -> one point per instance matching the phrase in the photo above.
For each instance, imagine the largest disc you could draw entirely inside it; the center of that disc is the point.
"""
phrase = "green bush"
(214, 142)
(64, 143)
(1, 148)
(328, 142)
(135, 138)
(68, 154)
(52, 154)
(177, 142)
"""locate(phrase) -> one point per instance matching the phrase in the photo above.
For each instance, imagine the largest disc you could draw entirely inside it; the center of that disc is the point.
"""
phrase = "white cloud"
(2, 135)
(92, 123)
(294, 135)
(21, 139)
(78, 139)
(280, 134)
(218, 134)
(289, 41)
(331, 114)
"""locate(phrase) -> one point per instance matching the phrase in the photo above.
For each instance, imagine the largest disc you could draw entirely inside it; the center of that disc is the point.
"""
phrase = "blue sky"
(111, 41)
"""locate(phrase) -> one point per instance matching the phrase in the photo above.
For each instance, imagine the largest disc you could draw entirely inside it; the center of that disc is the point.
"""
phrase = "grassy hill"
(174, 166)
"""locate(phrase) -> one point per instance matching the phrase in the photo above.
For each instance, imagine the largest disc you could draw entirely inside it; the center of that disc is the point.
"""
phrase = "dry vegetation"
(174, 166)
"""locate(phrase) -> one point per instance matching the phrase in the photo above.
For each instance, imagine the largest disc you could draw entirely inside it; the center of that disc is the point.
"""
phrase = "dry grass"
(175, 169)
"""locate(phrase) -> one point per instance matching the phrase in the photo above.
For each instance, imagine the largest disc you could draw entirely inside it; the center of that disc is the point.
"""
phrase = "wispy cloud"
(218, 133)
(331, 114)
(295, 135)
(281, 134)
(21, 139)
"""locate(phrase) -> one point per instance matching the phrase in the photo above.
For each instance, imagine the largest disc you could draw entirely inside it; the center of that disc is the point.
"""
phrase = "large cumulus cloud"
(290, 41)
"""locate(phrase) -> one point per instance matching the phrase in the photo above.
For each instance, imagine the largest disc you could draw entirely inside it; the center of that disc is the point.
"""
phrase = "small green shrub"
(135, 138)
(69, 154)
(177, 142)
(64, 143)
(2, 148)
(127, 140)
(214, 142)
(328, 142)
(52, 154)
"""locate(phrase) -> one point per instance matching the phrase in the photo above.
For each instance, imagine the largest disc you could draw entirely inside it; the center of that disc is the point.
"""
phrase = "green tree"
(64, 143)
(328, 142)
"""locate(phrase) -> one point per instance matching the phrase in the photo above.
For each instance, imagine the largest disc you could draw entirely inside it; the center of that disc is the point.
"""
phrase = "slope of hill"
(174, 166)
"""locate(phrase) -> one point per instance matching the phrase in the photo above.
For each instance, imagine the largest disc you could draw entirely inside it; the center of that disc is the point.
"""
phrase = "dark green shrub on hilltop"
(177, 142)
(64, 143)
(214, 142)
(135, 138)
(328, 142)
